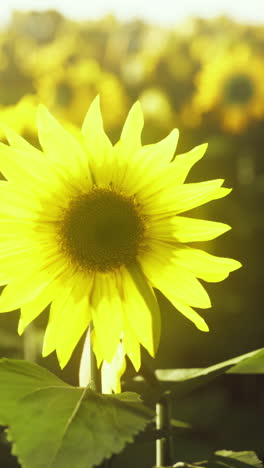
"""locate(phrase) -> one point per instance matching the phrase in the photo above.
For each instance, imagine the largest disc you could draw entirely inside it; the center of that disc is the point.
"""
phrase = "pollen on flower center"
(102, 230)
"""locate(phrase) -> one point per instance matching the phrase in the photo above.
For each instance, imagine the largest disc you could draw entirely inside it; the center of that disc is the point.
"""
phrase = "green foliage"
(231, 459)
(180, 382)
(254, 364)
(53, 424)
(225, 458)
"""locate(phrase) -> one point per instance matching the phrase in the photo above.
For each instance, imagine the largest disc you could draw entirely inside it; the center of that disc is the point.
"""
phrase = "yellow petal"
(29, 258)
(112, 372)
(204, 265)
(160, 153)
(19, 165)
(171, 175)
(17, 141)
(13, 266)
(97, 143)
(34, 308)
(96, 349)
(61, 148)
(142, 309)
(131, 343)
(16, 202)
(145, 164)
(26, 288)
(184, 229)
(41, 179)
(6, 277)
(184, 197)
(124, 150)
(75, 319)
(10, 225)
(174, 281)
(182, 164)
(221, 192)
(107, 314)
(194, 230)
(190, 314)
(131, 133)
(55, 322)
(19, 234)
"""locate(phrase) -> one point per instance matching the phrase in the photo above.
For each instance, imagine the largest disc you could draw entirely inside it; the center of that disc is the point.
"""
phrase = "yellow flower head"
(232, 85)
(156, 106)
(92, 229)
(21, 116)
(68, 91)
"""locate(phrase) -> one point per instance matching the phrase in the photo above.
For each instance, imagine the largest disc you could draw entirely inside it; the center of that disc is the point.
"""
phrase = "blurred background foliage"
(205, 77)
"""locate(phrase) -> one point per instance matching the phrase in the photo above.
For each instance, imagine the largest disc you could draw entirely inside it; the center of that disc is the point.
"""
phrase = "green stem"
(163, 445)
(30, 343)
(89, 374)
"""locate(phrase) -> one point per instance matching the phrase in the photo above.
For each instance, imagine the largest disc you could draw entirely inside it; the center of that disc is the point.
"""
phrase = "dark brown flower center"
(64, 94)
(238, 89)
(102, 230)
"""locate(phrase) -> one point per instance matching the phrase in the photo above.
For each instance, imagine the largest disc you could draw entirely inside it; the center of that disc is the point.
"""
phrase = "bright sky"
(158, 11)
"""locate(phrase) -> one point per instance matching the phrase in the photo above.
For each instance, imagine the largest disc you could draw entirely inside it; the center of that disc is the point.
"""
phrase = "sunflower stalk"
(89, 373)
(30, 343)
(163, 445)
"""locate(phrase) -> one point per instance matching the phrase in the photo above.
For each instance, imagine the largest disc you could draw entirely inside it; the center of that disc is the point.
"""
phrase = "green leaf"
(55, 425)
(229, 459)
(19, 378)
(183, 381)
(224, 459)
(253, 365)
(247, 361)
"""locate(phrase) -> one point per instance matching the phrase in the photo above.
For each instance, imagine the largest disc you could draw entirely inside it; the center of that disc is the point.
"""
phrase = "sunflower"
(92, 229)
(41, 60)
(40, 26)
(68, 91)
(158, 112)
(232, 85)
(21, 117)
(156, 106)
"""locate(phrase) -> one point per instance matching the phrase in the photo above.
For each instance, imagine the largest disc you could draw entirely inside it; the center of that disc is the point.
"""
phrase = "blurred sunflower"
(137, 69)
(68, 92)
(41, 60)
(157, 110)
(91, 229)
(213, 37)
(233, 86)
(21, 117)
(14, 83)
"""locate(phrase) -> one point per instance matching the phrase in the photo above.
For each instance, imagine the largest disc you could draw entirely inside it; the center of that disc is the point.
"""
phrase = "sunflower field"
(110, 251)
